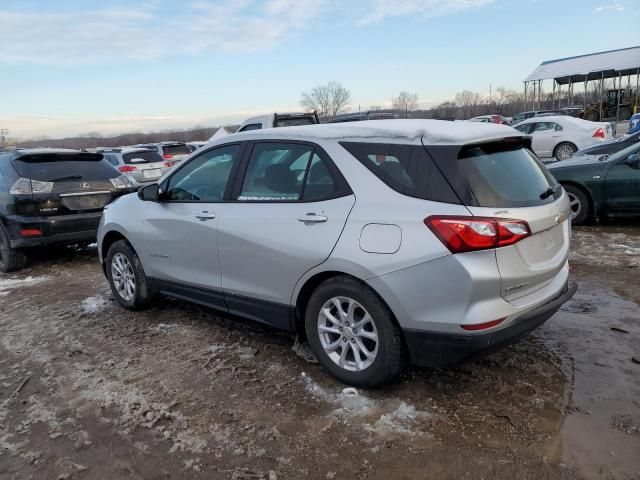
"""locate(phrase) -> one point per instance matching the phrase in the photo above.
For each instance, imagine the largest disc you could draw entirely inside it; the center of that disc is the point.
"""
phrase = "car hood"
(576, 160)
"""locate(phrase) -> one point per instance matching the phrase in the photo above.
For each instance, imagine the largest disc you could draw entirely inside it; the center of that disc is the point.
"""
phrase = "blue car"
(634, 123)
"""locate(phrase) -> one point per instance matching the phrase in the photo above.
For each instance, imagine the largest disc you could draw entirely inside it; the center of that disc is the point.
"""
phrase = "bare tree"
(501, 98)
(468, 102)
(406, 102)
(445, 110)
(328, 100)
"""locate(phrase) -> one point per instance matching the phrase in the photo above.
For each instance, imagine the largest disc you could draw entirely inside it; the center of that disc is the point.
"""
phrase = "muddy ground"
(91, 391)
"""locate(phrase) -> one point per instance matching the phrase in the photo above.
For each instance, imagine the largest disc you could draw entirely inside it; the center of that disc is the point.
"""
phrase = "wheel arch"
(555, 149)
(592, 203)
(109, 239)
(312, 282)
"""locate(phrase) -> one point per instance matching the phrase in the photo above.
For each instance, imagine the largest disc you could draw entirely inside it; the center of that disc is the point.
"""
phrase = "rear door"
(545, 138)
(507, 181)
(291, 204)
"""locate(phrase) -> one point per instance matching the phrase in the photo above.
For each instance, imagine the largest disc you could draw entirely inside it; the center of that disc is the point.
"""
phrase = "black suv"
(52, 196)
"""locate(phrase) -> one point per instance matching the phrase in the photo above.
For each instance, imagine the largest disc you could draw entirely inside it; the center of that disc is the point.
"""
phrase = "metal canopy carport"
(600, 66)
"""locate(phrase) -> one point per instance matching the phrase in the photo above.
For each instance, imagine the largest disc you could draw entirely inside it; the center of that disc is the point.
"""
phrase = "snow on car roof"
(564, 120)
(434, 132)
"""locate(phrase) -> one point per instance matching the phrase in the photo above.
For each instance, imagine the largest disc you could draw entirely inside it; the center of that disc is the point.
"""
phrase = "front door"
(180, 231)
(289, 210)
(622, 187)
(545, 138)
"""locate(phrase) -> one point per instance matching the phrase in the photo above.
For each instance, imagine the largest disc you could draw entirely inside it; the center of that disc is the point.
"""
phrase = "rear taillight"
(127, 168)
(168, 156)
(468, 234)
(599, 133)
(168, 164)
(495, 119)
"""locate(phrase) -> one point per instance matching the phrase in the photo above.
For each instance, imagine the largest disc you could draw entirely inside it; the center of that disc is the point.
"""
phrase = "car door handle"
(205, 216)
(313, 218)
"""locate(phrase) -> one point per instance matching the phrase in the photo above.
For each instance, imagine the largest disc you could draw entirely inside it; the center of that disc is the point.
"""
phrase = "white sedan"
(561, 136)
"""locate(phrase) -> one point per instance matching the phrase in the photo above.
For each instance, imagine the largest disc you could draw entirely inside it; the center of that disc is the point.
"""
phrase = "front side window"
(288, 173)
(203, 179)
(523, 128)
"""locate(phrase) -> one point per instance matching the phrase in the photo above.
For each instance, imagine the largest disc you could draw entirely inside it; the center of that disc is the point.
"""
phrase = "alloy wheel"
(576, 205)
(564, 152)
(123, 277)
(348, 334)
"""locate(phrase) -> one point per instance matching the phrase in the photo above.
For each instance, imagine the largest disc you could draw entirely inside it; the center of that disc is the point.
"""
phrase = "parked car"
(368, 115)
(141, 165)
(576, 112)
(600, 185)
(277, 120)
(561, 136)
(634, 123)
(173, 152)
(610, 146)
(490, 119)
(193, 146)
(376, 247)
(52, 196)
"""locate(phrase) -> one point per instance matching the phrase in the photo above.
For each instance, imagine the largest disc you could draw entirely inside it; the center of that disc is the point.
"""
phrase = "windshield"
(625, 152)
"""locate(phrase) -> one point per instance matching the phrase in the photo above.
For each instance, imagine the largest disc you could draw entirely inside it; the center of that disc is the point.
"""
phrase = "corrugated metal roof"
(591, 67)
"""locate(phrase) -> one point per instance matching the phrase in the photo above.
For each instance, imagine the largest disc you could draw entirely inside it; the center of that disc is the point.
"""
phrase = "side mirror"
(633, 160)
(150, 193)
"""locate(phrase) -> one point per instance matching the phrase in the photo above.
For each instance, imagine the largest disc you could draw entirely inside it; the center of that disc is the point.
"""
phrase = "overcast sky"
(68, 67)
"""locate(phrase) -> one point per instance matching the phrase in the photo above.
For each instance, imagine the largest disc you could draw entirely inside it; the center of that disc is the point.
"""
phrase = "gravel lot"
(89, 390)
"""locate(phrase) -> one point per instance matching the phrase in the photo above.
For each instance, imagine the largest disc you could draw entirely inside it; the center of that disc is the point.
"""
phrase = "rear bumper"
(59, 229)
(435, 349)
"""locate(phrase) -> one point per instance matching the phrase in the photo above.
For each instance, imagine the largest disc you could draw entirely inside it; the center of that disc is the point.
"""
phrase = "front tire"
(11, 259)
(580, 206)
(564, 151)
(129, 284)
(353, 333)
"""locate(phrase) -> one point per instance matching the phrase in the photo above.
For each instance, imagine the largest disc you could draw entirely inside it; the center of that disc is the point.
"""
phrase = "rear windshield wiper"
(549, 191)
(68, 177)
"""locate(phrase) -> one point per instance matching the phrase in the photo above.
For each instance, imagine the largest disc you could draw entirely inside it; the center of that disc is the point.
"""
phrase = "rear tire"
(361, 325)
(580, 205)
(11, 259)
(564, 151)
(129, 284)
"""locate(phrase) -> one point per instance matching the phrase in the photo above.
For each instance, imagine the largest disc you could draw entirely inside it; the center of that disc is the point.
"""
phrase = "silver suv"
(381, 242)
(141, 165)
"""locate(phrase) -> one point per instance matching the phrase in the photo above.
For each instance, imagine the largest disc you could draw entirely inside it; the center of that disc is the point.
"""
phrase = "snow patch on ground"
(7, 284)
(593, 246)
(93, 304)
(383, 417)
(399, 420)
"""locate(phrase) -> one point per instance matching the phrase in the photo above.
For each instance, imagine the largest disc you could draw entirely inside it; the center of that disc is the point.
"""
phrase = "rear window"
(53, 167)
(405, 168)
(148, 157)
(502, 175)
(176, 149)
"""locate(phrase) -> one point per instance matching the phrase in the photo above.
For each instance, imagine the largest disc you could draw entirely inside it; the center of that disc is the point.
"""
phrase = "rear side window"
(148, 157)
(176, 150)
(502, 175)
(407, 169)
(52, 167)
